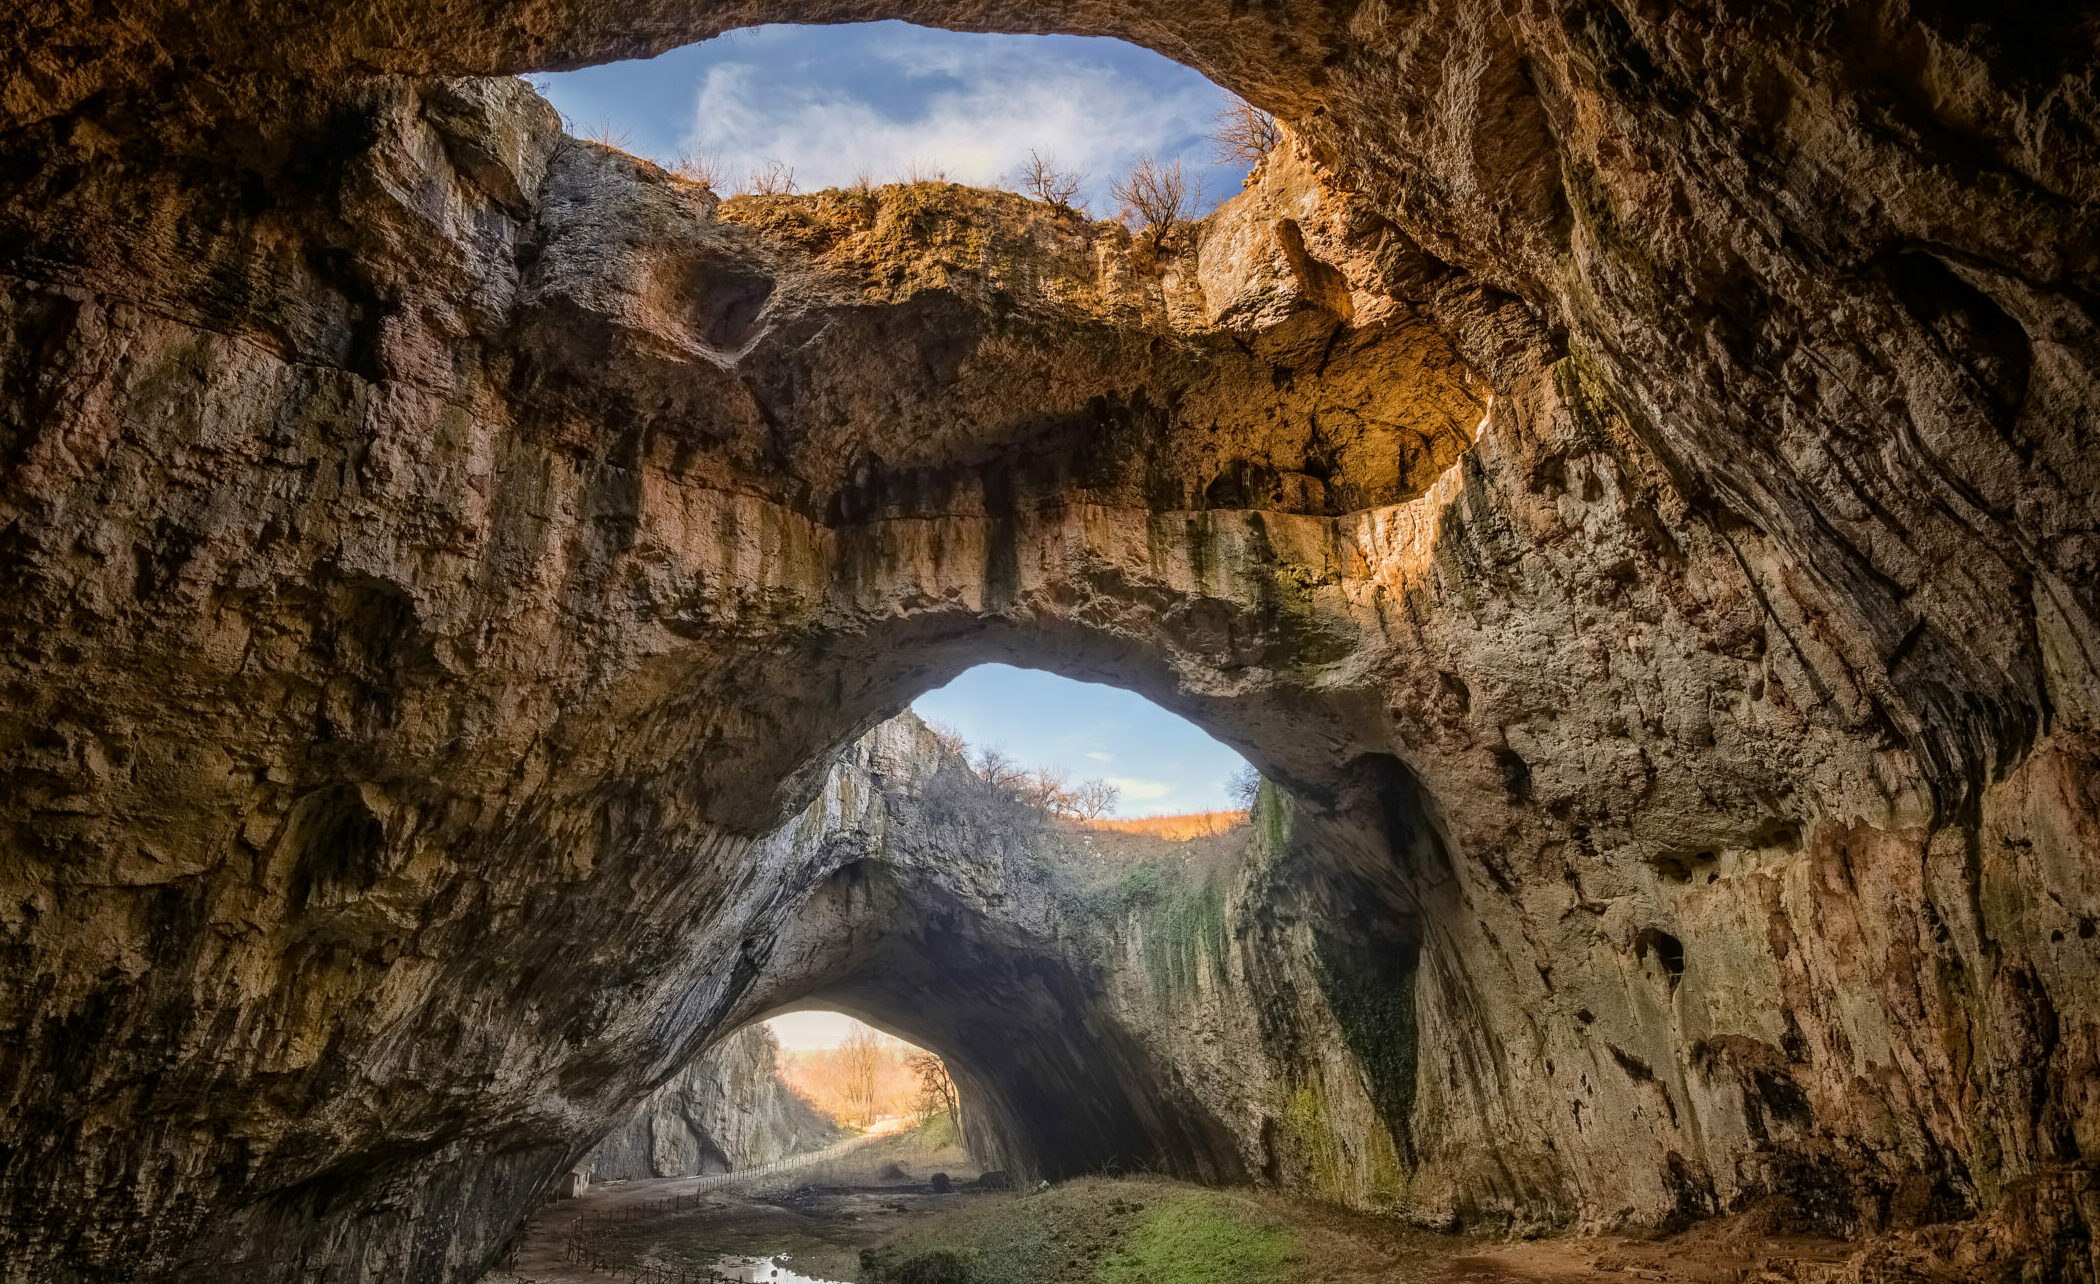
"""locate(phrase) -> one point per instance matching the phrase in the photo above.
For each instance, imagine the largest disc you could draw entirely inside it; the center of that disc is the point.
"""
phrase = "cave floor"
(1137, 1230)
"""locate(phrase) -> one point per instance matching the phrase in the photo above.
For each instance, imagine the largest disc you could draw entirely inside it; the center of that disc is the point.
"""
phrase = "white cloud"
(1141, 790)
(977, 123)
(807, 1031)
(1099, 756)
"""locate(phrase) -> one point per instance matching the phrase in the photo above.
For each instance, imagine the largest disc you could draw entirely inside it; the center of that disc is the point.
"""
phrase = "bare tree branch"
(860, 1067)
(936, 1089)
(1154, 197)
(1244, 132)
(1000, 770)
(1094, 799)
(1043, 179)
(703, 168)
(606, 133)
(774, 178)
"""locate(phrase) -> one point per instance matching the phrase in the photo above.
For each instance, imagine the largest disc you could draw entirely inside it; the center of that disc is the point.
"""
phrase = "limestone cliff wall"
(1627, 478)
(728, 1109)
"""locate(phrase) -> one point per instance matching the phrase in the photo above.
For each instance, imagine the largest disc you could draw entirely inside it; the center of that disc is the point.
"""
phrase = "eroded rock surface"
(1627, 477)
(727, 1109)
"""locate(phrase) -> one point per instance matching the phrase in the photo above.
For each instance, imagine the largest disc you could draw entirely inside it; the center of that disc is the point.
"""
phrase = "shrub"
(1043, 179)
(1155, 198)
(939, 1267)
(605, 133)
(774, 178)
(918, 170)
(703, 168)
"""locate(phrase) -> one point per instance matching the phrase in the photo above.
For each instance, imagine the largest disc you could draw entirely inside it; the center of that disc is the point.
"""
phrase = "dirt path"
(590, 1238)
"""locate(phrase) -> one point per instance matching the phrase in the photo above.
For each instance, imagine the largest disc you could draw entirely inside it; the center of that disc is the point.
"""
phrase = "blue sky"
(1161, 762)
(877, 98)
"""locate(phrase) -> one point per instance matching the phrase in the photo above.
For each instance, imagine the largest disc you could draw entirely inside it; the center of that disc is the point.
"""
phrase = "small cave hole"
(1668, 951)
(1516, 774)
(1683, 867)
(338, 846)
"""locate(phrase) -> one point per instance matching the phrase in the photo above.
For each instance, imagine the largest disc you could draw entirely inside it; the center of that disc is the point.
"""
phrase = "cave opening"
(778, 109)
(1087, 751)
(464, 580)
(975, 900)
(785, 1092)
(901, 935)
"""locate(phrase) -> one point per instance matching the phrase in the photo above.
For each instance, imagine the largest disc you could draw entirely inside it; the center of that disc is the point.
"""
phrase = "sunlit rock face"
(725, 1110)
(1626, 476)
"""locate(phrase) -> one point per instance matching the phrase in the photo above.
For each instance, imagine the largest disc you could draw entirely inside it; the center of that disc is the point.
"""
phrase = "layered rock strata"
(1628, 479)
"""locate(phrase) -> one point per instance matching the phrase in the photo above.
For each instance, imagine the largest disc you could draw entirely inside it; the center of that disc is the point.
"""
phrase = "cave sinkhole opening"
(816, 107)
(937, 952)
(1153, 763)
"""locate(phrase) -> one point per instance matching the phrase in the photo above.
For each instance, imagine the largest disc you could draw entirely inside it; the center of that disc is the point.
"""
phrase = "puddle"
(762, 1270)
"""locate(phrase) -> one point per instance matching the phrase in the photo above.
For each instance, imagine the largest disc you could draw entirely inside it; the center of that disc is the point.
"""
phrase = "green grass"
(1185, 936)
(938, 1131)
(1095, 1231)
(1201, 1239)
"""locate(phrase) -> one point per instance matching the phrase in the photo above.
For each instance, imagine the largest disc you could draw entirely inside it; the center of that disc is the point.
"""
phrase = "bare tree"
(860, 1073)
(936, 1089)
(1056, 187)
(774, 178)
(998, 769)
(1047, 787)
(950, 740)
(1244, 132)
(1154, 198)
(1244, 785)
(703, 168)
(1094, 799)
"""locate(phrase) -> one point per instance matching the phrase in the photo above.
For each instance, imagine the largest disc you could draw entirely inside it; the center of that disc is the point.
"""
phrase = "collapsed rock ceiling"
(1627, 474)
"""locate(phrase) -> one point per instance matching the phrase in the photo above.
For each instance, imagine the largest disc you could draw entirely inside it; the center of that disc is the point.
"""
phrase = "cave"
(1624, 473)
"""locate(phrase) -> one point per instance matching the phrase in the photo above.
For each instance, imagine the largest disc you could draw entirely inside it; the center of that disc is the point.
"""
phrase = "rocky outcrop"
(1627, 480)
(726, 1110)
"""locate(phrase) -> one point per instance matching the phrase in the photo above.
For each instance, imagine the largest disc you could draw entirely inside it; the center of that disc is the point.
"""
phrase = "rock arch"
(1054, 1083)
(365, 440)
